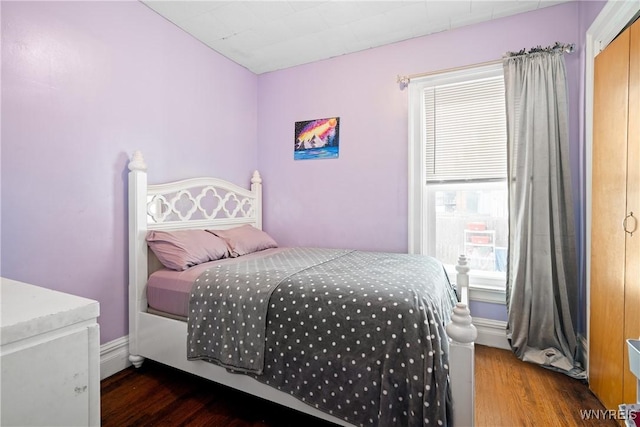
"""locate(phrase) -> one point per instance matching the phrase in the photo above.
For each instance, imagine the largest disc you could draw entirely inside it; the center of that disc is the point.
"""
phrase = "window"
(458, 171)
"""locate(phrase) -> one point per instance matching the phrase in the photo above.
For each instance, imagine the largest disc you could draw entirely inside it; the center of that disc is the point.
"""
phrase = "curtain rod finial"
(403, 81)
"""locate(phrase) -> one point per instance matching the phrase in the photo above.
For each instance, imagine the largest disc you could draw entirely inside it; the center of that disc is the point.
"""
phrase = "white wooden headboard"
(196, 203)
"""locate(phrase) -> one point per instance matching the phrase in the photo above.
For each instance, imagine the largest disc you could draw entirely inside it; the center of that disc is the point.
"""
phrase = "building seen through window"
(471, 219)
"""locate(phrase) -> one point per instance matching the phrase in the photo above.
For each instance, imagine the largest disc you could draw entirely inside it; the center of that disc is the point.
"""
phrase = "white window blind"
(465, 131)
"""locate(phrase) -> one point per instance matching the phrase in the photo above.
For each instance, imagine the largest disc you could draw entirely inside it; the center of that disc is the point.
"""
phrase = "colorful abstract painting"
(317, 139)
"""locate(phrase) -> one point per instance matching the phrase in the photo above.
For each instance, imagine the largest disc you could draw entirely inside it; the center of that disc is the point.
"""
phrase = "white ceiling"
(265, 36)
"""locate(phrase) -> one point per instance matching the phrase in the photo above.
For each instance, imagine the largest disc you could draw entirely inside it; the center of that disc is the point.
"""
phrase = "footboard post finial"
(462, 278)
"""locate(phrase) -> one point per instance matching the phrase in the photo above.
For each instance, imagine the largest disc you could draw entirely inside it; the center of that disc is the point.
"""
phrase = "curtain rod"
(404, 81)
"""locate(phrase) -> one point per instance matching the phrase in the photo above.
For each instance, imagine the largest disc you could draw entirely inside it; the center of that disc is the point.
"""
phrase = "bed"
(378, 354)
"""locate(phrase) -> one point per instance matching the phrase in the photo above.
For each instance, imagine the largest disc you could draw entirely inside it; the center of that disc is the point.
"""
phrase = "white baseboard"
(492, 333)
(114, 357)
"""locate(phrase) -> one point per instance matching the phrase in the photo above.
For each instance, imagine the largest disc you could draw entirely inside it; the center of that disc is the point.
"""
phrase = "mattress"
(168, 291)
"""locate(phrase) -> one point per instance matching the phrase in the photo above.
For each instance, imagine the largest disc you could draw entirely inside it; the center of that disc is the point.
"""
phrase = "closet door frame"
(608, 24)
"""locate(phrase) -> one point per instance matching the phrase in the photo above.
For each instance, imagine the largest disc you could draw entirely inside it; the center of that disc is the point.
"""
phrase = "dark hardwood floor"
(508, 393)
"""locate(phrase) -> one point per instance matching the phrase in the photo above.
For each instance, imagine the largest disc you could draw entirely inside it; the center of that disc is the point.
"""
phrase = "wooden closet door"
(632, 271)
(609, 173)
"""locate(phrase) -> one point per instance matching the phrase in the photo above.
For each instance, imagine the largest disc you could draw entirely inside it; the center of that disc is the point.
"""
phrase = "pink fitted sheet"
(168, 291)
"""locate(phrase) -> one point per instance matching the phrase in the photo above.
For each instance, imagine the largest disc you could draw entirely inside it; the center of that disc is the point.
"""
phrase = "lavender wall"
(86, 83)
(360, 199)
(83, 85)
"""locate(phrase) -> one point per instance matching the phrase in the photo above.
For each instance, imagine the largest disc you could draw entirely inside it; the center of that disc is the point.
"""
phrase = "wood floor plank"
(508, 393)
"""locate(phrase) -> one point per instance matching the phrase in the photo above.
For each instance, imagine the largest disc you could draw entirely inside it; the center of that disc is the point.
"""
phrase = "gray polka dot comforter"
(359, 335)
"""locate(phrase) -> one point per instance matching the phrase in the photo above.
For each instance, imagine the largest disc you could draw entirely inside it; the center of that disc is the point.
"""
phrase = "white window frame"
(481, 289)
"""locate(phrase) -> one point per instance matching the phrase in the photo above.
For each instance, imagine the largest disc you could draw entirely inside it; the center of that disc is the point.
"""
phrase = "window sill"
(483, 287)
(487, 294)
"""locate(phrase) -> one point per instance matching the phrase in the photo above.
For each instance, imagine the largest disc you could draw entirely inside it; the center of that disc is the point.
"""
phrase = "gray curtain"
(542, 270)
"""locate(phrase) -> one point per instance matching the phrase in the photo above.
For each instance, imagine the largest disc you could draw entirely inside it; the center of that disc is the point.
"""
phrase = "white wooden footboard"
(164, 340)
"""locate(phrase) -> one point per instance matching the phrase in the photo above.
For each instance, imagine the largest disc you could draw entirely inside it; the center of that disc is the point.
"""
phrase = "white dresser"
(49, 357)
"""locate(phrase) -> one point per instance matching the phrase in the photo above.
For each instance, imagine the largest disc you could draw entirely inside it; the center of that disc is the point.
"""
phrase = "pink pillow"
(179, 250)
(245, 239)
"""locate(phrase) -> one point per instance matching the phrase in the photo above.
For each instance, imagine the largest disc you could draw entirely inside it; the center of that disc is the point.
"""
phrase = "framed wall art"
(317, 139)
